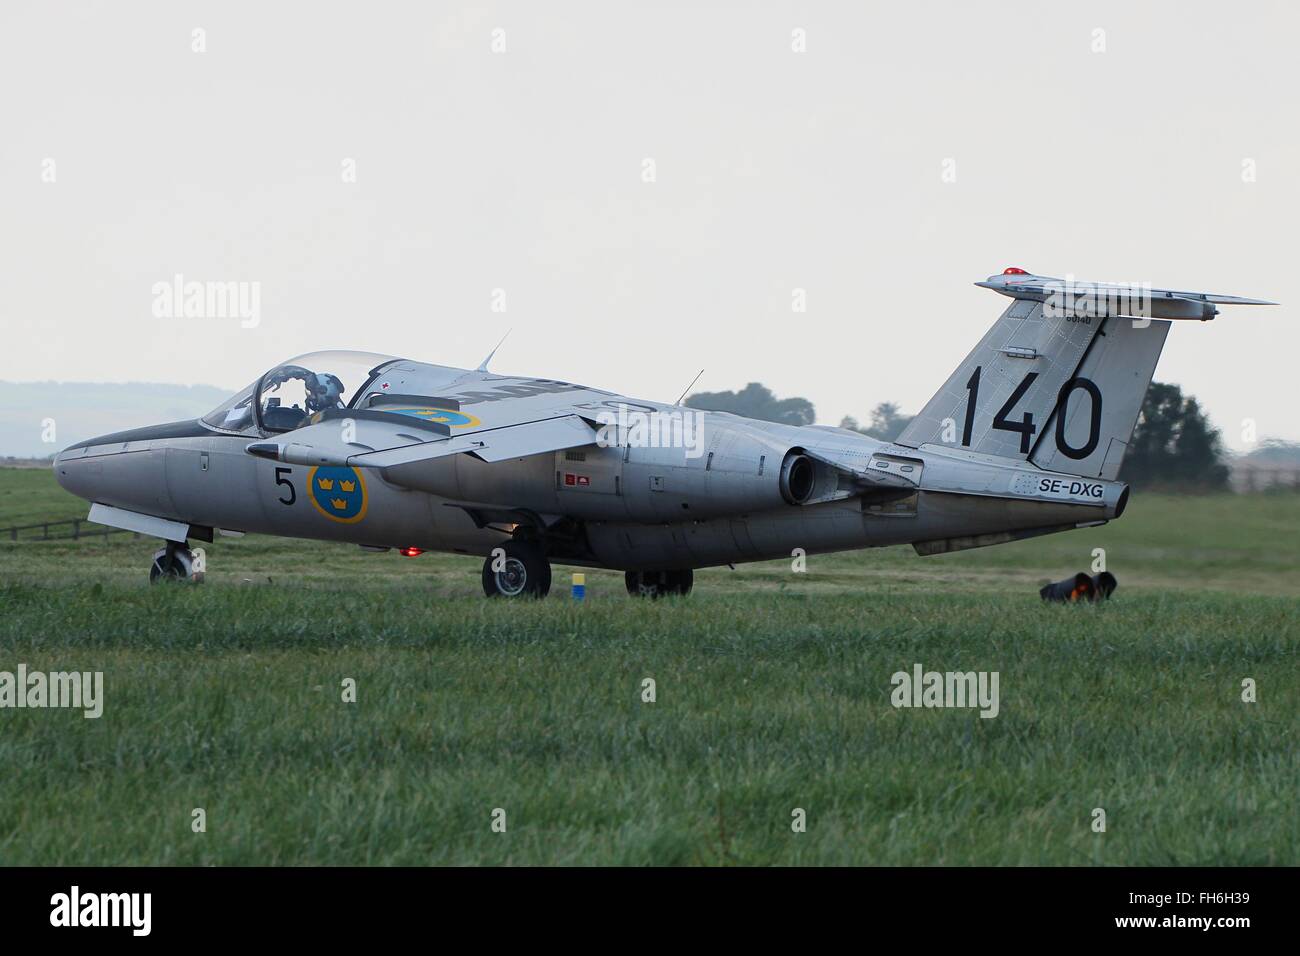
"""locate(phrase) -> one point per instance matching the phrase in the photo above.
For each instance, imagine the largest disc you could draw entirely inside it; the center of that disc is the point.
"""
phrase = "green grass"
(31, 495)
(773, 693)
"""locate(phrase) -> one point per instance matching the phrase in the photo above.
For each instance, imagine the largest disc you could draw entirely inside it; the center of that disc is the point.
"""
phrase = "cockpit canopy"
(289, 395)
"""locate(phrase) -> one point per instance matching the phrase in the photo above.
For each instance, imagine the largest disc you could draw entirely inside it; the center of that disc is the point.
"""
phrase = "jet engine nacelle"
(798, 478)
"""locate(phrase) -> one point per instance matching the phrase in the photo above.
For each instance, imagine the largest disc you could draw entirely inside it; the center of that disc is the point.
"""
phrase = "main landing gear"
(516, 569)
(520, 569)
(175, 562)
(657, 584)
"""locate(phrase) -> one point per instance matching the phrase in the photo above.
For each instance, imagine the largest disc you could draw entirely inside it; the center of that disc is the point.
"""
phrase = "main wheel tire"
(525, 572)
(657, 584)
(172, 563)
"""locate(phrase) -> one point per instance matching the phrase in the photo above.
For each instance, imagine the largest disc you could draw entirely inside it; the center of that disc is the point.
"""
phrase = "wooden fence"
(78, 525)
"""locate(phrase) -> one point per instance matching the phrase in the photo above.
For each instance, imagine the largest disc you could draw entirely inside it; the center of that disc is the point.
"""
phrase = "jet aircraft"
(1026, 437)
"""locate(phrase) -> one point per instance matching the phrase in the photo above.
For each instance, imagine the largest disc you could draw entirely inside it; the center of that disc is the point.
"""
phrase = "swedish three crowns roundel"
(338, 493)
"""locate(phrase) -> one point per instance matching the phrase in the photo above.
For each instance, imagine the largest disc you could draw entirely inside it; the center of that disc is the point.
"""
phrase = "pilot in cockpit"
(322, 390)
(291, 395)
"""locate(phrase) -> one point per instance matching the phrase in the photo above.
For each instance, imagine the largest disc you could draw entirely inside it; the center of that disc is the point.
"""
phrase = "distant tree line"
(887, 422)
(756, 401)
(1174, 445)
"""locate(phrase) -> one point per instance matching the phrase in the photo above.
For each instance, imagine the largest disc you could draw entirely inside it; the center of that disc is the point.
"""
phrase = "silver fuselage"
(623, 505)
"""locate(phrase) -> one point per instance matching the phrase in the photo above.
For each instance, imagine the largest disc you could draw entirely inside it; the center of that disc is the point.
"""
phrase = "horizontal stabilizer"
(1073, 297)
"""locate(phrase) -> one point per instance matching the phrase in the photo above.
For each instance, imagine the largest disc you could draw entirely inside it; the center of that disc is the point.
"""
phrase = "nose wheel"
(657, 584)
(172, 563)
(517, 569)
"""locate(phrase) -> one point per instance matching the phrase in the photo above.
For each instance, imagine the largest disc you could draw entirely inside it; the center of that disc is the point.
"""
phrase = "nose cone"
(75, 473)
(125, 469)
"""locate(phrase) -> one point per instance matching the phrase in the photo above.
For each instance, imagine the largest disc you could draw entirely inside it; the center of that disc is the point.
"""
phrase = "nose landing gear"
(176, 562)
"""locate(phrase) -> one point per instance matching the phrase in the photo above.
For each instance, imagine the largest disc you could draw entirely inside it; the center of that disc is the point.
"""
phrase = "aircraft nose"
(125, 469)
(74, 473)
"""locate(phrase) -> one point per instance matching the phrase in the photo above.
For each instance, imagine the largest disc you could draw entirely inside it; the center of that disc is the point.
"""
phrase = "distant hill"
(1275, 453)
(82, 410)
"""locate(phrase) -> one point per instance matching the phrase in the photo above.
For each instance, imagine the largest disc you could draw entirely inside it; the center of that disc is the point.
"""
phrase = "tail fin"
(1060, 377)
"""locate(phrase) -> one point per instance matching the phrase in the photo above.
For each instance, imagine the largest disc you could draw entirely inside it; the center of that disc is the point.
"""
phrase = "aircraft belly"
(762, 536)
(813, 529)
(944, 515)
(838, 526)
(743, 540)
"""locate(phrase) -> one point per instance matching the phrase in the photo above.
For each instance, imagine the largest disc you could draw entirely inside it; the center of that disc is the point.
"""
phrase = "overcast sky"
(379, 170)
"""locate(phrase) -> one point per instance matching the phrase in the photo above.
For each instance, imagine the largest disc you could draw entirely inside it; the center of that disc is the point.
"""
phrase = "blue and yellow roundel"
(338, 493)
(443, 416)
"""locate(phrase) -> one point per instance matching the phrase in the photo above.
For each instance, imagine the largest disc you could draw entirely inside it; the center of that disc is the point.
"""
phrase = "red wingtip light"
(1013, 271)
(410, 552)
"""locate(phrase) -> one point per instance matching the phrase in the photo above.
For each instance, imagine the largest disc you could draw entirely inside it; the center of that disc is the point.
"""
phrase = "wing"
(374, 438)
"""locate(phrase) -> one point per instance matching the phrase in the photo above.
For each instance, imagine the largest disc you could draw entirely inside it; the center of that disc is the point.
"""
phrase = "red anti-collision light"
(410, 552)
(1013, 271)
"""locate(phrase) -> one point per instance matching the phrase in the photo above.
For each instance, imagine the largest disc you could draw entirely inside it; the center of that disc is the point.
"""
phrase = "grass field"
(773, 693)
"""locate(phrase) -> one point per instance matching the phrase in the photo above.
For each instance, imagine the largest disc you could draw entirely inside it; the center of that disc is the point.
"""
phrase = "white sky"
(522, 171)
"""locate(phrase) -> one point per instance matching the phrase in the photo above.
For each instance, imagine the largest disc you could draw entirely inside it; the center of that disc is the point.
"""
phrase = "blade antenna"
(689, 387)
(483, 365)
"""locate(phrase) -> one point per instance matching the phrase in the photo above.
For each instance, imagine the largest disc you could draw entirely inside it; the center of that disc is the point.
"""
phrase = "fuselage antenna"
(483, 365)
(689, 387)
